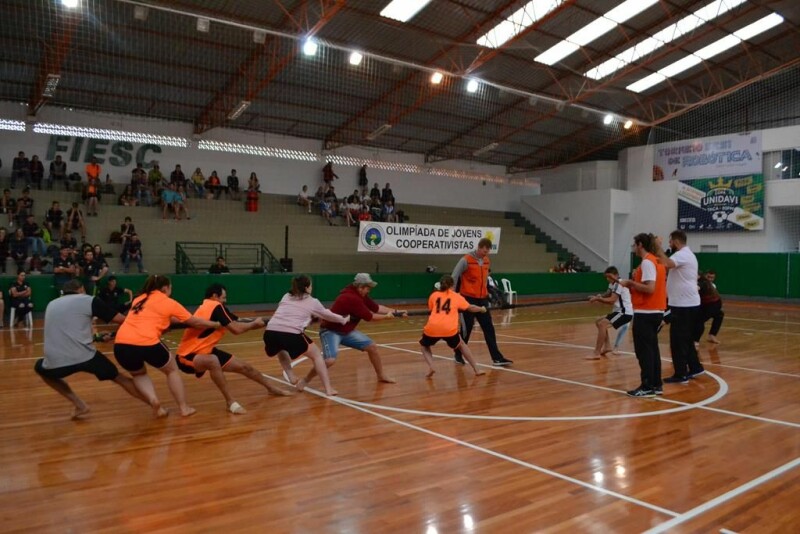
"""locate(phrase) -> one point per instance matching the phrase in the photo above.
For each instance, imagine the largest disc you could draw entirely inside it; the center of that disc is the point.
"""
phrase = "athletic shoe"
(459, 359)
(641, 392)
(658, 391)
(695, 374)
(676, 379)
(502, 362)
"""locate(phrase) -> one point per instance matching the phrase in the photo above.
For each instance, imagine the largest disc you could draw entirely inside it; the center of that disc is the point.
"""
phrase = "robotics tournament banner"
(729, 155)
(726, 204)
(407, 238)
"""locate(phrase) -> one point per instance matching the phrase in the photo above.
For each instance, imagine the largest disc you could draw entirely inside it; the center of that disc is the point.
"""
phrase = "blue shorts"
(331, 340)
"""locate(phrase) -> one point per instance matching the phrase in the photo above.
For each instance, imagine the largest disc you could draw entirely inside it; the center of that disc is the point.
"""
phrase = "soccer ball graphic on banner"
(719, 216)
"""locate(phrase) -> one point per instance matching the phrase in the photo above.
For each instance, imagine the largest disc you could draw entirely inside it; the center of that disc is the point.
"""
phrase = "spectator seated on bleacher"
(168, 195)
(364, 215)
(155, 179)
(179, 204)
(375, 192)
(386, 194)
(214, 185)
(253, 183)
(33, 233)
(233, 186)
(387, 213)
(37, 171)
(303, 199)
(326, 210)
(18, 249)
(20, 170)
(58, 172)
(126, 230)
(177, 178)
(24, 207)
(198, 183)
(127, 198)
(75, 220)
(54, 220)
(376, 209)
(8, 206)
(3, 251)
(133, 252)
(91, 195)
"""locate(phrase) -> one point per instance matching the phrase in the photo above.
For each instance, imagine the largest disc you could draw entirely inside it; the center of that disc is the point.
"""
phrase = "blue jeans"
(331, 340)
(126, 262)
(37, 246)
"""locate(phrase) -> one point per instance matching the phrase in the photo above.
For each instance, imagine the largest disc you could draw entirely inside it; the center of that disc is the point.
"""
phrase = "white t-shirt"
(623, 303)
(682, 280)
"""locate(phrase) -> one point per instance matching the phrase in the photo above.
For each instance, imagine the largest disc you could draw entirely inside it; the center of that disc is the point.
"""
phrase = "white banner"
(709, 157)
(406, 238)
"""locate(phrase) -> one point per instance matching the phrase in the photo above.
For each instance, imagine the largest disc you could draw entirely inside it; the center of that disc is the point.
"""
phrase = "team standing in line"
(69, 346)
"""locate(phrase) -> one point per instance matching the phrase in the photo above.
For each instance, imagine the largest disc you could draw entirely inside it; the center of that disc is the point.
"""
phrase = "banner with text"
(423, 238)
(729, 155)
(726, 204)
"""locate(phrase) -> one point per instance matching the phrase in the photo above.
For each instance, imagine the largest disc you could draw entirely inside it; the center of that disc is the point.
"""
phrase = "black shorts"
(618, 319)
(186, 363)
(452, 341)
(133, 357)
(99, 366)
(295, 344)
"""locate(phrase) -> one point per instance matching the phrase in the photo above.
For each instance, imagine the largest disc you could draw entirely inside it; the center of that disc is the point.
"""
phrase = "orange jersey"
(149, 318)
(197, 341)
(474, 278)
(93, 171)
(444, 306)
(657, 300)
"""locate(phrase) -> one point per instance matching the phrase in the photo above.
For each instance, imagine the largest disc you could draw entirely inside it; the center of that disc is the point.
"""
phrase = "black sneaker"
(459, 359)
(502, 362)
(641, 392)
(676, 379)
(658, 391)
(695, 374)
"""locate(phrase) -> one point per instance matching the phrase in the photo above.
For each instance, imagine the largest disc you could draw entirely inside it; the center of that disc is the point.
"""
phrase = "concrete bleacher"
(313, 244)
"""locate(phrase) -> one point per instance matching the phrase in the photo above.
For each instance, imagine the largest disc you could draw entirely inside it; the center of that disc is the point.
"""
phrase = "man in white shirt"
(684, 305)
(621, 313)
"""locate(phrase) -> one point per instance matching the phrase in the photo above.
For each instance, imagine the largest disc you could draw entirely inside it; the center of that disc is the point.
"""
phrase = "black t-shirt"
(20, 288)
(54, 216)
(111, 296)
(102, 310)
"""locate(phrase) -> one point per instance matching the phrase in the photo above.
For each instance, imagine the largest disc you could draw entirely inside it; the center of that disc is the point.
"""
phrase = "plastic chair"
(28, 318)
(510, 294)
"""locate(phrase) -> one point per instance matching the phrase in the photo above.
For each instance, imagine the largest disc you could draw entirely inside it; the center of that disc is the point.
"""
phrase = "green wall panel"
(747, 274)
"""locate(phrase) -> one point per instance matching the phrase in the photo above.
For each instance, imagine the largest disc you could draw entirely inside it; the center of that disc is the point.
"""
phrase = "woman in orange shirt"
(138, 340)
(444, 304)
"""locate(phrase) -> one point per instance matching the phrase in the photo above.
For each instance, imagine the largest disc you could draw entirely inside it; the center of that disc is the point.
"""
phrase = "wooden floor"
(552, 444)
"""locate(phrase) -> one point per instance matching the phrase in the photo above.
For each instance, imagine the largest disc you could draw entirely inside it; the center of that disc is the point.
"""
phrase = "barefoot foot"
(331, 392)
(431, 372)
(386, 380)
(187, 411)
(300, 385)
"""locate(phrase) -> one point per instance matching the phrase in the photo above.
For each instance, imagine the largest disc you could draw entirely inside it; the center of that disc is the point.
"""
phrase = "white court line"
(574, 346)
(782, 332)
(702, 407)
(723, 390)
(725, 497)
(495, 454)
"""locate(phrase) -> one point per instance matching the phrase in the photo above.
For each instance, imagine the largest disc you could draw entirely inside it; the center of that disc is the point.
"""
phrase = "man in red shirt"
(354, 301)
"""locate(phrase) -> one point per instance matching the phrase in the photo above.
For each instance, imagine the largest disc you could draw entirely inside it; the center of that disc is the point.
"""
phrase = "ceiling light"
(356, 58)
(310, 47)
(672, 32)
(379, 131)
(15, 126)
(238, 110)
(69, 3)
(786, 168)
(472, 86)
(608, 119)
(203, 24)
(713, 49)
(111, 135)
(50, 85)
(487, 148)
(628, 124)
(403, 10)
(598, 27)
(140, 13)
(437, 78)
(518, 22)
(778, 165)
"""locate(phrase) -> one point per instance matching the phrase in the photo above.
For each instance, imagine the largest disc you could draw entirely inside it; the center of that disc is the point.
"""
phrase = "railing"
(241, 257)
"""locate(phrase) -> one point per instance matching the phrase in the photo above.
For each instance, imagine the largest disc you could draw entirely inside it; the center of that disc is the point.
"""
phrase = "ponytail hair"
(155, 282)
(446, 282)
(299, 285)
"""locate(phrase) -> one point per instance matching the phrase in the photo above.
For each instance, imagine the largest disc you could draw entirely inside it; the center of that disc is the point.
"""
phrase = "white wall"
(586, 222)
(277, 175)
